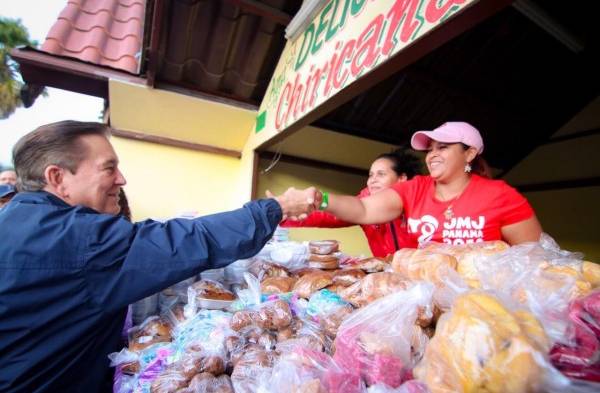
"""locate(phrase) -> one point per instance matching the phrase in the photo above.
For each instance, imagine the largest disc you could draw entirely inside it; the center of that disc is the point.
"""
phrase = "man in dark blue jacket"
(69, 266)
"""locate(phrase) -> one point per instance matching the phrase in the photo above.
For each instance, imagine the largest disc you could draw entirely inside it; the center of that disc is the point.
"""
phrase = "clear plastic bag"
(481, 345)
(329, 310)
(253, 367)
(423, 265)
(581, 358)
(538, 276)
(381, 342)
(309, 371)
(407, 387)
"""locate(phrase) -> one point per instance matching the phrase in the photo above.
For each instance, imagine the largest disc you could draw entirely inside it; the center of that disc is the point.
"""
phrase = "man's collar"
(39, 197)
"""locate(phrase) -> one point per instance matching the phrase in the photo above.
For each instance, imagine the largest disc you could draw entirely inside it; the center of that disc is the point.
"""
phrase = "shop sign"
(345, 41)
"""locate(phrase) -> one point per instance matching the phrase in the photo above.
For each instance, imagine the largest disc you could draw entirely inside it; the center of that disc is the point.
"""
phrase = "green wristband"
(324, 201)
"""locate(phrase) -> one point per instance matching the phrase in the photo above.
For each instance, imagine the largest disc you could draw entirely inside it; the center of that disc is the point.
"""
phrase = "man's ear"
(402, 178)
(54, 176)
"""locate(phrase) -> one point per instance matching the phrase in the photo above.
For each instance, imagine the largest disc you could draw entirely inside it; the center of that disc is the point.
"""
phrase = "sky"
(39, 16)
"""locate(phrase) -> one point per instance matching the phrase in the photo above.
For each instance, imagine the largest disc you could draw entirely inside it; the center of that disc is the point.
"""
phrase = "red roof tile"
(102, 32)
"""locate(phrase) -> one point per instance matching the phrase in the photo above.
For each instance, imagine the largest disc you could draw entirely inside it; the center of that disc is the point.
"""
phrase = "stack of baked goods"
(323, 254)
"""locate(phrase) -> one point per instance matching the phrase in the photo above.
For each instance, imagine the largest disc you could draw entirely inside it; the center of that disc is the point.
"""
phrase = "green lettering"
(331, 32)
(357, 6)
(303, 55)
(322, 25)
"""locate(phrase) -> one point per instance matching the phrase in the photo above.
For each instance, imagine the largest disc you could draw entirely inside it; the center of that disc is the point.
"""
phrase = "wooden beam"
(560, 185)
(44, 69)
(255, 174)
(315, 163)
(156, 28)
(193, 91)
(263, 10)
(573, 135)
(161, 140)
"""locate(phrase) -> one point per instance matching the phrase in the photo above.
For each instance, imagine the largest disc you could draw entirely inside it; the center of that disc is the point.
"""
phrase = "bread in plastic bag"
(372, 287)
(580, 359)
(253, 367)
(480, 345)
(412, 386)
(347, 277)
(272, 285)
(466, 256)
(308, 371)
(539, 276)
(263, 269)
(591, 273)
(425, 265)
(329, 310)
(381, 342)
(312, 282)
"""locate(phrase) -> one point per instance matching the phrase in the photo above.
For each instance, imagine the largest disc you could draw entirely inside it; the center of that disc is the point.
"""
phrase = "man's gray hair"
(52, 144)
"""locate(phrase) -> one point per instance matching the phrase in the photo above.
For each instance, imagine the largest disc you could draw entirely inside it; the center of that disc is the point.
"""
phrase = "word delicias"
(353, 57)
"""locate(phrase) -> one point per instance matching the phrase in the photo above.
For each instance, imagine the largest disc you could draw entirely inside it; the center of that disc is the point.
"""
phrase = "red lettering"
(367, 50)
(283, 97)
(338, 82)
(434, 12)
(294, 99)
(309, 79)
(331, 65)
(403, 11)
(317, 78)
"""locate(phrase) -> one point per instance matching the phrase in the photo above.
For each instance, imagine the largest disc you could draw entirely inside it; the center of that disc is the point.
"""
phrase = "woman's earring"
(468, 168)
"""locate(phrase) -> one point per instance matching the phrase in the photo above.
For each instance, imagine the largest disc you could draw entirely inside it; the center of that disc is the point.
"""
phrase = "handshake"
(298, 204)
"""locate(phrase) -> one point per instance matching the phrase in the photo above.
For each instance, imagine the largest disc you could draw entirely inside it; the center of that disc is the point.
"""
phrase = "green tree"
(12, 34)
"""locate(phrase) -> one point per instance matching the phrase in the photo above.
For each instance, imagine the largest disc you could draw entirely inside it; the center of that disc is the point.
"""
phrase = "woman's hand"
(297, 204)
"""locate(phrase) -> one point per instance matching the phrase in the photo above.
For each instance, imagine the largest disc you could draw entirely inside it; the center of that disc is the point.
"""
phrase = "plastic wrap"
(323, 247)
(539, 277)
(407, 387)
(581, 359)
(381, 342)
(273, 315)
(423, 265)
(153, 330)
(466, 256)
(272, 285)
(373, 287)
(591, 273)
(312, 282)
(308, 371)
(347, 277)
(252, 368)
(144, 308)
(329, 310)
(481, 345)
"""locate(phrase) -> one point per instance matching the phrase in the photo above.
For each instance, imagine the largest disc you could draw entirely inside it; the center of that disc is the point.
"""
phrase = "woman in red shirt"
(384, 239)
(451, 205)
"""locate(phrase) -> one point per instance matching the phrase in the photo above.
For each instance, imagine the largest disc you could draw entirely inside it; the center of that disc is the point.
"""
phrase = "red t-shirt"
(479, 213)
(380, 236)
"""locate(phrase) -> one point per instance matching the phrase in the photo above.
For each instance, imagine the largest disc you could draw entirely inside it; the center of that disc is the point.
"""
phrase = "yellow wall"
(571, 217)
(285, 175)
(164, 181)
(174, 115)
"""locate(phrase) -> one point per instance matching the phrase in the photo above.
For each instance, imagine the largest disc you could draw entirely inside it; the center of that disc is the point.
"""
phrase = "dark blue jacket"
(68, 273)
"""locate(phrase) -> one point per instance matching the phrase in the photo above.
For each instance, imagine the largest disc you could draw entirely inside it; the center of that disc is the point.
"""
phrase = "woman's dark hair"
(479, 165)
(403, 162)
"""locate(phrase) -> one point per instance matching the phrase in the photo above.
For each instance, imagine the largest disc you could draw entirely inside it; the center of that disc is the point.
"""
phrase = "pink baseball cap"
(450, 132)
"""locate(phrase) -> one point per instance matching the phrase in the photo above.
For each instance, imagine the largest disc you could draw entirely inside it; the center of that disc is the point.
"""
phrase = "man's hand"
(297, 204)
